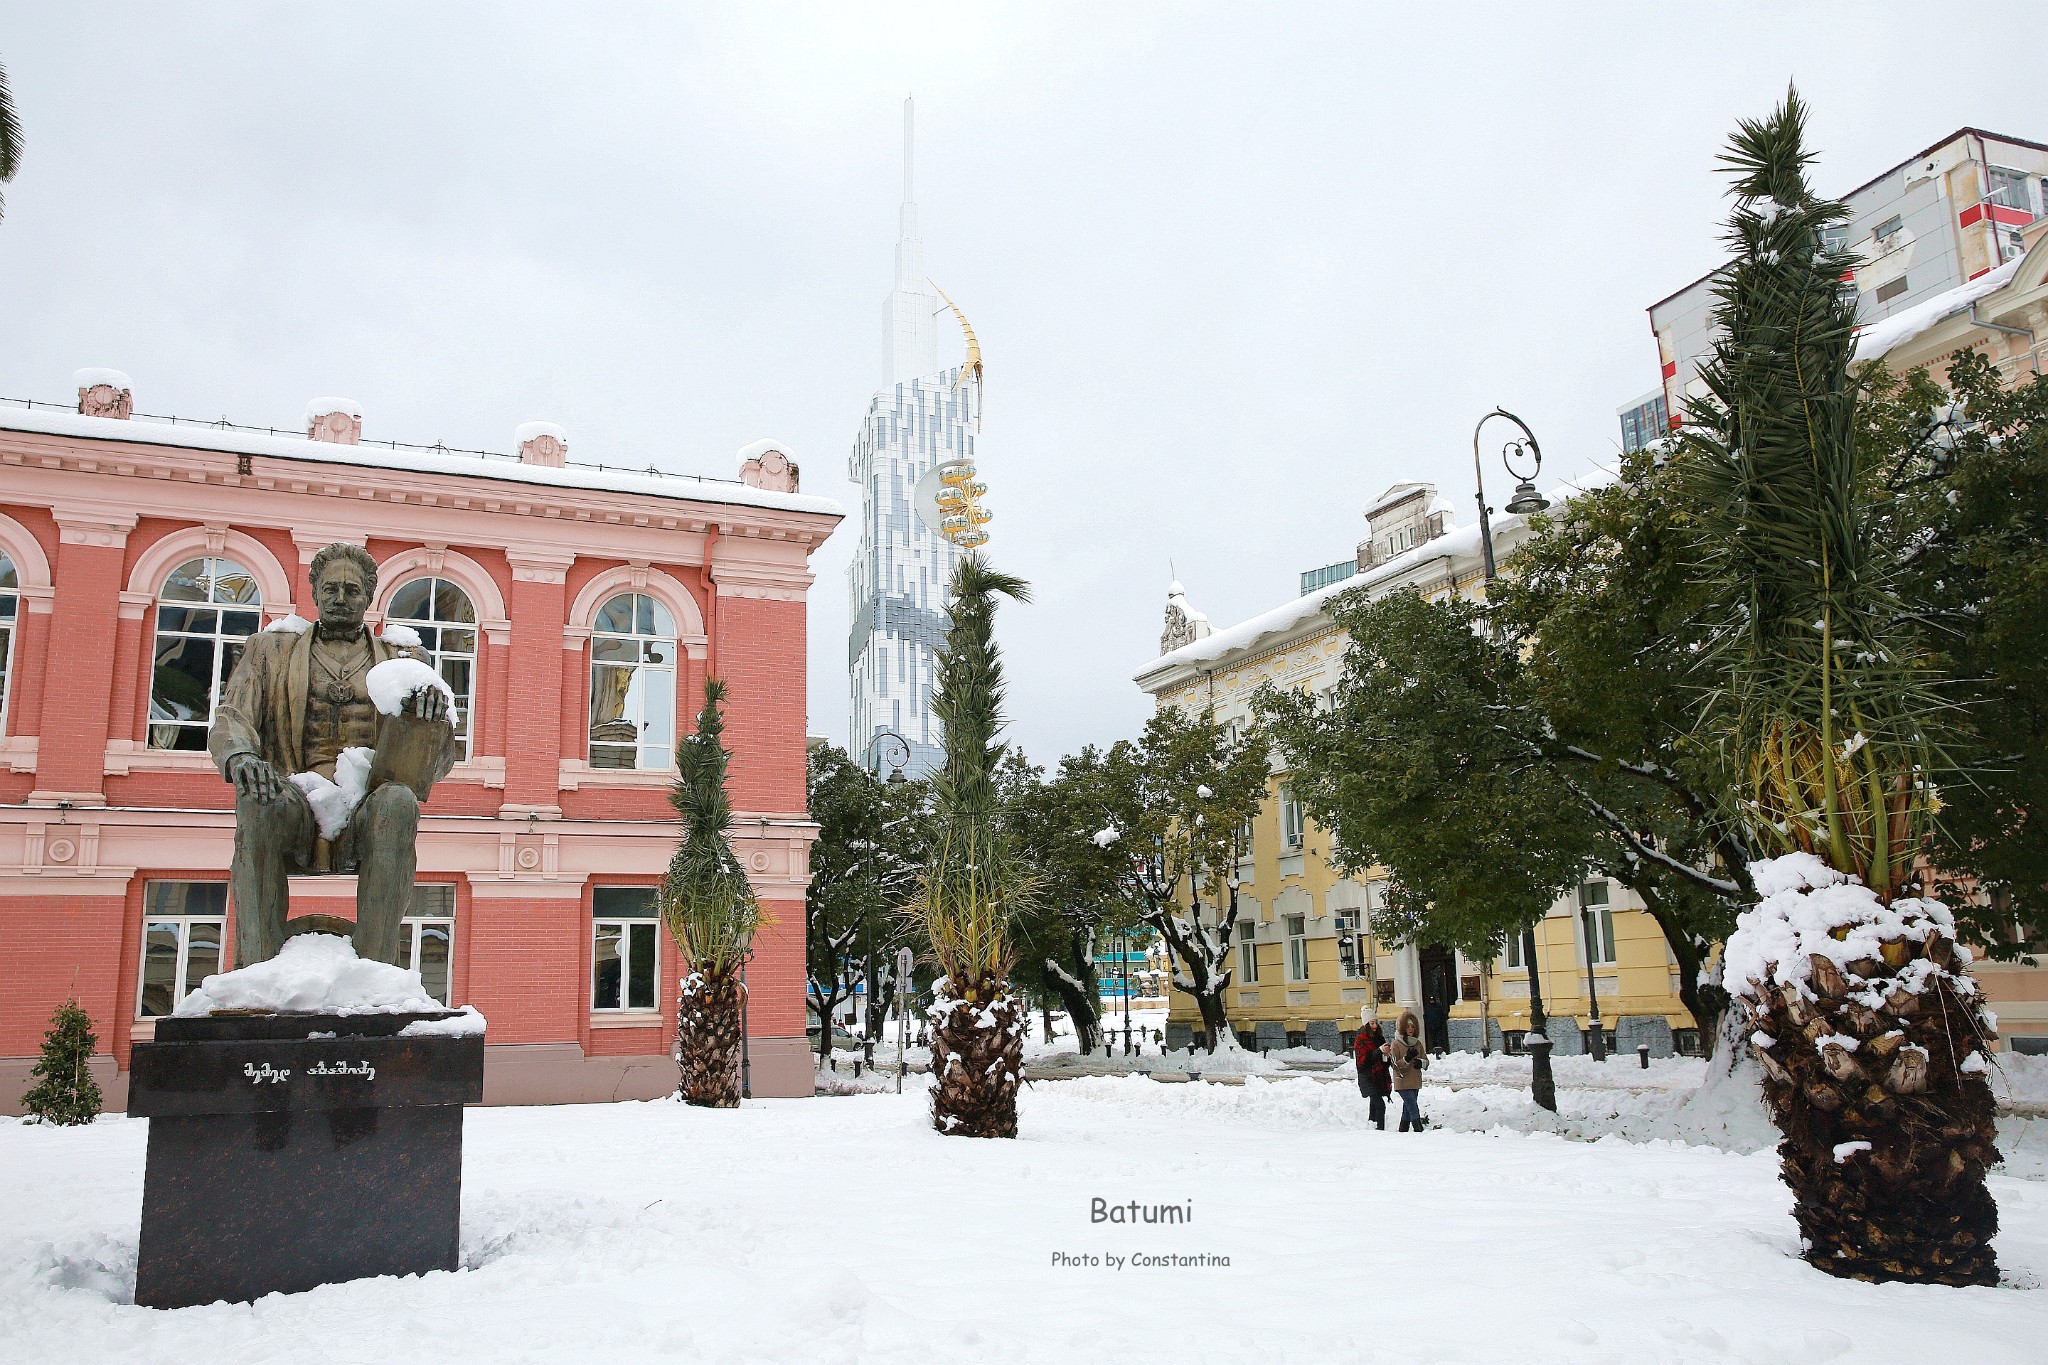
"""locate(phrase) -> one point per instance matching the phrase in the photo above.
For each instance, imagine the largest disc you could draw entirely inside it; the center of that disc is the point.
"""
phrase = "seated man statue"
(295, 700)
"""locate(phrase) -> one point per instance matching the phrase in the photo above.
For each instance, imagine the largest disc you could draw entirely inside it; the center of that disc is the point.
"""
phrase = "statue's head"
(344, 581)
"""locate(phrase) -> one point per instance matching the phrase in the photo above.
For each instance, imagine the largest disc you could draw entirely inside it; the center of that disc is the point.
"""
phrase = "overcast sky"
(1234, 270)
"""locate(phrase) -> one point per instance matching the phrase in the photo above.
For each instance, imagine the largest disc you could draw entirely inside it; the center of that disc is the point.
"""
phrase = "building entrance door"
(1439, 990)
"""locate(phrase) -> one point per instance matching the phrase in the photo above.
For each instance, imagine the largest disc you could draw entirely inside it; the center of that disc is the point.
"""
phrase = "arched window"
(442, 615)
(10, 607)
(632, 683)
(206, 609)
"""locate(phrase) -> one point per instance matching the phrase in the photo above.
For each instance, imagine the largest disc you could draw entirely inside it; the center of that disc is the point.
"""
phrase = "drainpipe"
(710, 604)
(1991, 326)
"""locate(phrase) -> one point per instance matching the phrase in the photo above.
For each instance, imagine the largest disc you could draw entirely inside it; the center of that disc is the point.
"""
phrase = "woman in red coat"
(1375, 1080)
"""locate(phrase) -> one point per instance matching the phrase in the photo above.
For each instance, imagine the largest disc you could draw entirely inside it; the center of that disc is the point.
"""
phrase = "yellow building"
(1288, 985)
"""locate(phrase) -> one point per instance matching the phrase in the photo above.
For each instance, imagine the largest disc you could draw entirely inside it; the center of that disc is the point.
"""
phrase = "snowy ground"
(834, 1230)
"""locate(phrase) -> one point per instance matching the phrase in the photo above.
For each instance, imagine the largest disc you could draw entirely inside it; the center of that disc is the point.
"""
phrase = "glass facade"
(901, 567)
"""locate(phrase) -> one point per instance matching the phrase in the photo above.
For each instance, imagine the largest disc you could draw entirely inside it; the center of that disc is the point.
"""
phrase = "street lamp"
(895, 751)
(1526, 498)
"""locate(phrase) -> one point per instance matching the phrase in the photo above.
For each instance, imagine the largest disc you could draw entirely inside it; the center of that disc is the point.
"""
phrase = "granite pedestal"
(288, 1151)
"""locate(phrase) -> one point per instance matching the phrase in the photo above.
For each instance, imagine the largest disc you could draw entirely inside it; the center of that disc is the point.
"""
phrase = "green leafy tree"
(1826, 700)
(1178, 801)
(974, 885)
(873, 838)
(65, 1092)
(1969, 469)
(1082, 895)
(1424, 763)
(711, 911)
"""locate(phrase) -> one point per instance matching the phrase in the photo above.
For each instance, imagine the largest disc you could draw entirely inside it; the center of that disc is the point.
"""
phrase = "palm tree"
(974, 883)
(10, 138)
(711, 911)
(1819, 696)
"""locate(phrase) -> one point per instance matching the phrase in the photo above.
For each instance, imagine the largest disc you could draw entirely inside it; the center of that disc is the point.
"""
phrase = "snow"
(1456, 542)
(404, 637)
(1881, 338)
(533, 431)
(318, 973)
(294, 624)
(467, 1024)
(756, 449)
(680, 487)
(396, 681)
(320, 407)
(335, 801)
(658, 1231)
(1809, 909)
(1845, 1150)
(1105, 836)
(94, 376)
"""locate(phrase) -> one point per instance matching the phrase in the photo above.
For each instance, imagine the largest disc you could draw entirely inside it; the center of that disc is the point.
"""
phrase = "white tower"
(913, 308)
(899, 573)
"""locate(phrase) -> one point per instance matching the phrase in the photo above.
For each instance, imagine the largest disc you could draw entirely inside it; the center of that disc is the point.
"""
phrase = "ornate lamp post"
(894, 750)
(1599, 1040)
(1543, 1088)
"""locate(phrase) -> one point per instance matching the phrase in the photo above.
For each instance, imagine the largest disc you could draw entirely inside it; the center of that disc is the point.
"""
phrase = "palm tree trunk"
(708, 1039)
(977, 1058)
(1889, 1126)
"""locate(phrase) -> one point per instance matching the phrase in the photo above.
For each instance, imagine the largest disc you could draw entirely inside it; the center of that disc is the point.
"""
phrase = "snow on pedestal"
(314, 974)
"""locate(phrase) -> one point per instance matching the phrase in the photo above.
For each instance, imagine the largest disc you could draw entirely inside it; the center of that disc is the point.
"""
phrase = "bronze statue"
(294, 702)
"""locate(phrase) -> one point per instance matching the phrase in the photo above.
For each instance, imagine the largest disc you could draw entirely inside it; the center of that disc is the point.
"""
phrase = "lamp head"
(1527, 499)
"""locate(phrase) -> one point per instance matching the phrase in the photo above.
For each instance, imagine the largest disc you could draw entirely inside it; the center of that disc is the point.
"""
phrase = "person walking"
(1375, 1080)
(1409, 1059)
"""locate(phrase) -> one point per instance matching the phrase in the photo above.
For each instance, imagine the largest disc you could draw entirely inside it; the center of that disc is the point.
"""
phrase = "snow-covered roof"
(94, 375)
(1881, 338)
(683, 487)
(1400, 492)
(1297, 611)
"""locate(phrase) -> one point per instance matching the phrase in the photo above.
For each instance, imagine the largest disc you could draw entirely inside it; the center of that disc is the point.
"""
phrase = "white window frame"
(220, 638)
(1247, 953)
(1354, 921)
(1511, 954)
(431, 629)
(413, 927)
(1297, 947)
(180, 985)
(652, 658)
(624, 924)
(1293, 823)
(1602, 905)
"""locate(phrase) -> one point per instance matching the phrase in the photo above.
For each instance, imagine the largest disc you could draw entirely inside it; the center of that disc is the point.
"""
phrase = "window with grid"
(624, 949)
(1512, 956)
(632, 684)
(182, 935)
(1247, 954)
(1291, 829)
(1297, 947)
(441, 614)
(1348, 922)
(1596, 911)
(2009, 189)
(205, 610)
(426, 936)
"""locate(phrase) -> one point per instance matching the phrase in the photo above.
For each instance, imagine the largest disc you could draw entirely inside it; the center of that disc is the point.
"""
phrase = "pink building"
(575, 610)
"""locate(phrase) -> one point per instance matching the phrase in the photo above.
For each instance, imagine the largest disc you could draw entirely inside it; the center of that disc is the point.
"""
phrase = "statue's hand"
(255, 778)
(429, 704)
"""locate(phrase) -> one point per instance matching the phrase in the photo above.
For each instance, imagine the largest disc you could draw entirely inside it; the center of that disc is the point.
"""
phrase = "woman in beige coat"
(1410, 1059)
